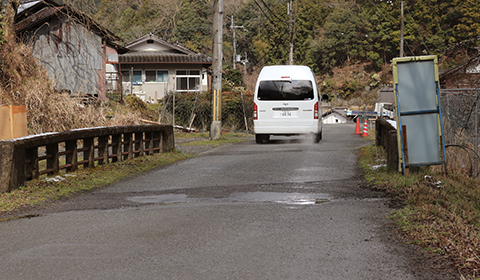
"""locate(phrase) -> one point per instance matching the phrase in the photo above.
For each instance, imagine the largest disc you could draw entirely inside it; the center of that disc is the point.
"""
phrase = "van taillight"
(255, 111)
(315, 111)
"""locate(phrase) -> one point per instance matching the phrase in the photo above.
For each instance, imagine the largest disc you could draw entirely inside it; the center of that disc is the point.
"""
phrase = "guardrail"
(29, 157)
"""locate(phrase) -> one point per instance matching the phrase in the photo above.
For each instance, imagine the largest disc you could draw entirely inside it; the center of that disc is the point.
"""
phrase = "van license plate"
(286, 114)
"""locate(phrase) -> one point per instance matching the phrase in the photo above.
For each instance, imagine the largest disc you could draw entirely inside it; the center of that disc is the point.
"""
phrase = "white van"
(286, 102)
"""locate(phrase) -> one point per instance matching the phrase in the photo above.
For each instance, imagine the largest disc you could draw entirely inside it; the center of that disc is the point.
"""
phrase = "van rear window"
(285, 90)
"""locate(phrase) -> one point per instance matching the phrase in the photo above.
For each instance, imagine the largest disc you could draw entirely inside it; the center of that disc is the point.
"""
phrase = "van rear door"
(291, 101)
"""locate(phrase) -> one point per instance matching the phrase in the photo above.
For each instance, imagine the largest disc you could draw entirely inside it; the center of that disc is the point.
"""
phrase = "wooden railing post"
(71, 158)
(88, 153)
(116, 147)
(102, 149)
(149, 141)
(31, 163)
(52, 159)
(127, 146)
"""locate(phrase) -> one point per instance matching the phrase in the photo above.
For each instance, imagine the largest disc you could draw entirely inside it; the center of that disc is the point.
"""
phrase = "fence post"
(31, 168)
(128, 151)
(103, 150)
(52, 161)
(71, 155)
(167, 139)
(116, 147)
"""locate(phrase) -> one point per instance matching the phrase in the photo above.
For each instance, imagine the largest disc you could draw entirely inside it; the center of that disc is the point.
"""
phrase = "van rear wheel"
(262, 138)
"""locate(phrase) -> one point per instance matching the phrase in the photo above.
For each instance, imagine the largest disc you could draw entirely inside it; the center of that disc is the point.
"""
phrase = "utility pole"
(216, 126)
(233, 27)
(401, 31)
(291, 23)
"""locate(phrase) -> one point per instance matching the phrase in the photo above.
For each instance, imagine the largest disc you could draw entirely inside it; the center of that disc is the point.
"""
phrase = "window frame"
(157, 72)
(187, 78)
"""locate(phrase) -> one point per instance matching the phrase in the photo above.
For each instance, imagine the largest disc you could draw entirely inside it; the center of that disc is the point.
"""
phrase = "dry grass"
(443, 217)
(24, 82)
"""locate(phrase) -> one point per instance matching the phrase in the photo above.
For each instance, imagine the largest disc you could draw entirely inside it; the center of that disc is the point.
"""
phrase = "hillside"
(330, 36)
(327, 33)
(349, 44)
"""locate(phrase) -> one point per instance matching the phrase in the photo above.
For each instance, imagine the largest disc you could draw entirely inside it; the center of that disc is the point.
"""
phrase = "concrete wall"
(334, 118)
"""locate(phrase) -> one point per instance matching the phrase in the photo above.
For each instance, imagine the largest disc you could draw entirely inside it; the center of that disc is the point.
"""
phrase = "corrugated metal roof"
(40, 11)
(163, 57)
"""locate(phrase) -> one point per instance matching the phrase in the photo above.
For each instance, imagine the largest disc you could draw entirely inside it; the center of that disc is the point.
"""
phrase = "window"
(156, 76)
(285, 90)
(188, 80)
(136, 75)
(162, 76)
(125, 76)
(150, 76)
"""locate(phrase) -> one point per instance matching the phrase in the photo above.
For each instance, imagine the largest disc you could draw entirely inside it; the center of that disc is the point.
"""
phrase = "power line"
(269, 19)
(271, 12)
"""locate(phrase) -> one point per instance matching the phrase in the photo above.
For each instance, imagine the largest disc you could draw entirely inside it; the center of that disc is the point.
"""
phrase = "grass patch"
(37, 191)
(440, 213)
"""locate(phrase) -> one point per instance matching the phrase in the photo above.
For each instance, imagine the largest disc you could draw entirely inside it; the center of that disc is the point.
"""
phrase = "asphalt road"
(290, 209)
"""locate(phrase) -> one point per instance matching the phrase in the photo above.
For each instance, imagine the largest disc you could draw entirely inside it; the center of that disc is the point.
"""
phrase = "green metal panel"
(416, 86)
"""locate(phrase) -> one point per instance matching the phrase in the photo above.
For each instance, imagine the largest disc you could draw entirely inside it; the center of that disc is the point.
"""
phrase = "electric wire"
(271, 12)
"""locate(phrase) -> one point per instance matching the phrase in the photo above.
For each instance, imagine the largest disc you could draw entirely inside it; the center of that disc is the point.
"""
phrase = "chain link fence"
(193, 111)
(461, 124)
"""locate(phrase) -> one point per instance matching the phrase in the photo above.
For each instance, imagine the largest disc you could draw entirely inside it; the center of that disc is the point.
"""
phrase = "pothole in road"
(272, 197)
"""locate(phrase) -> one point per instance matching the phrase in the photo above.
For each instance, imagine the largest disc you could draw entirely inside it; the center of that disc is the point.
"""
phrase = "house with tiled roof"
(154, 67)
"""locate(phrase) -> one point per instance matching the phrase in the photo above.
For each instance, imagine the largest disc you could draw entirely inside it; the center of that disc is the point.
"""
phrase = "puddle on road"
(165, 199)
(282, 198)
(273, 197)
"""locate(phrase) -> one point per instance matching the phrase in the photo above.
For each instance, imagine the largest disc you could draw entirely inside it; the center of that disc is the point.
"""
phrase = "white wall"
(155, 91)
(334, 118)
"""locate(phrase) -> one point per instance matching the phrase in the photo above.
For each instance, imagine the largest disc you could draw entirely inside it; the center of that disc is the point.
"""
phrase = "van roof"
(279, 72)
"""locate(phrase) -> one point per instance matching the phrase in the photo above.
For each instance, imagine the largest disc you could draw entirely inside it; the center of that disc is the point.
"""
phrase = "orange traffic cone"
(357, 128)
(365, 129)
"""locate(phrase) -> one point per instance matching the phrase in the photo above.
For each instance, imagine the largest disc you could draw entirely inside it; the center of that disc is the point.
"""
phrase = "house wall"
(333, 119)
(152, 92)
(145, 46)
(112, 70)
(72, 55)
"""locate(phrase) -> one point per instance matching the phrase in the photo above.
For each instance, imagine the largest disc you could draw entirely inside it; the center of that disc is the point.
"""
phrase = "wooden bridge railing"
(29, 157)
